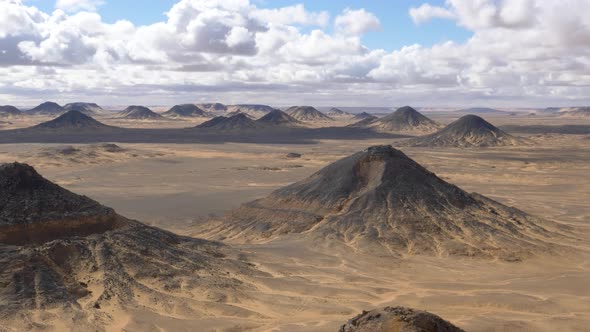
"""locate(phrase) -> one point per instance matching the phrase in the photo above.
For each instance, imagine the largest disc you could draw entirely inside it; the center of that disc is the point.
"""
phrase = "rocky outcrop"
(398, 319)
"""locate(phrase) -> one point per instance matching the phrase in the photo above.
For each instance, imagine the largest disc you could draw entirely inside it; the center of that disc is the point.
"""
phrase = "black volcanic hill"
(86, 108)
(47, 108)
(307, 113)
(278, 118)
(139, 113)
(364, 115)
(379, 200)
(404, 319)
(61, 252)
(237, 122)
(467, 131)
(405, 119)
(185, 111)
(72, 120)
(8, 111)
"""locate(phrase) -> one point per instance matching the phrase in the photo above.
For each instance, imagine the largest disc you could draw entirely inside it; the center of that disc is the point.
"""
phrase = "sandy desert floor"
(317, 287)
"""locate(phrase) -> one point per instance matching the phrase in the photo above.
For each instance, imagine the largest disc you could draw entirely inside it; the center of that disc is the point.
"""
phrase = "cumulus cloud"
(427, 12)
(520, 51)
(78, 5)
(356, 22)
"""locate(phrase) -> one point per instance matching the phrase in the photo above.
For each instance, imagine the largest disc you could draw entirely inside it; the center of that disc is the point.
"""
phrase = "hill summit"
(381, 200)
(468, 131)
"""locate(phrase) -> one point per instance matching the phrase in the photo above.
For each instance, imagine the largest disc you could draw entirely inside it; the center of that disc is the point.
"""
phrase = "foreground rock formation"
(468, 131)
(398, 319)
(379, 200)
(66, 260)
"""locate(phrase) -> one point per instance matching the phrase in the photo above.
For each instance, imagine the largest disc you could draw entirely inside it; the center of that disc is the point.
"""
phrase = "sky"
(453, 53)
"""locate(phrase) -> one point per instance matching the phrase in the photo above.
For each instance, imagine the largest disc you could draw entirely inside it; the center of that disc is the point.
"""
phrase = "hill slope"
(381, 201)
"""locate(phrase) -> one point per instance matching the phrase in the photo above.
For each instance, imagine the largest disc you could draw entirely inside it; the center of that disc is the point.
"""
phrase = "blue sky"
(397, 28)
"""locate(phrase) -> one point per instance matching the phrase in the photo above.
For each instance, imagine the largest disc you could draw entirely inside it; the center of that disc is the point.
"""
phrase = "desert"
(378, 166)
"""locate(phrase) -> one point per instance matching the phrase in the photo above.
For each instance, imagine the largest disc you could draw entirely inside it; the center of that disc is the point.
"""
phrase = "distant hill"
(254, 110)
(364, 115)
(46, 108)
(72, 120)
(139, 113)
(213, 108)
(86, 108)
(338, 113)
(8, 111)
(404, 119)
(278, 118)
(185, 111)
(468, 131)
(576, 112)
(307, 114)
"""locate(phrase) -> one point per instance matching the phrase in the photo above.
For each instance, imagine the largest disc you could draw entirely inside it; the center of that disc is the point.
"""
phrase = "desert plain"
(306, 285)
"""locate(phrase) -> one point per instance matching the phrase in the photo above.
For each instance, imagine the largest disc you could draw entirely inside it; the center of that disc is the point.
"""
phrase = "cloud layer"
(522, 52)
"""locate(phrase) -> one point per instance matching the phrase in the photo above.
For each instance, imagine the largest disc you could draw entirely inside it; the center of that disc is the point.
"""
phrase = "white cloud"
(78, 5)
(426, 12)
(520, 51)
(356, 22)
